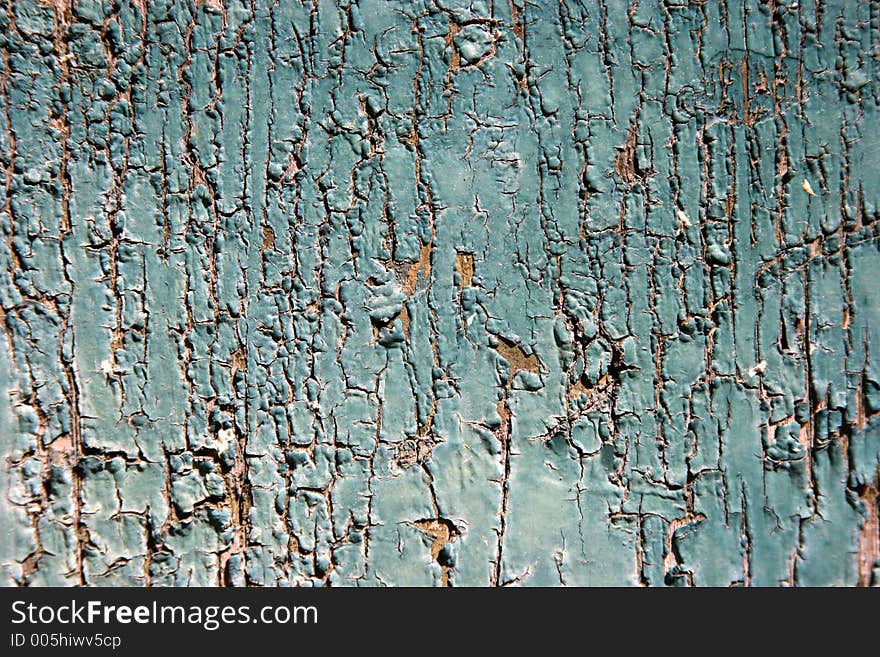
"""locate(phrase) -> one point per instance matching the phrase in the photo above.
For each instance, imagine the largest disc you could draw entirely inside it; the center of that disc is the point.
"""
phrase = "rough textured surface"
(439, 292)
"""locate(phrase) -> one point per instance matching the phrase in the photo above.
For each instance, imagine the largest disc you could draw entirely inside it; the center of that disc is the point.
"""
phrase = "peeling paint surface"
(439, 292)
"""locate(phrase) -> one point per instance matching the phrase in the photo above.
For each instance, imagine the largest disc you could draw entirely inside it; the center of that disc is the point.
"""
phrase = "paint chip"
(758, 368)
(225, 438)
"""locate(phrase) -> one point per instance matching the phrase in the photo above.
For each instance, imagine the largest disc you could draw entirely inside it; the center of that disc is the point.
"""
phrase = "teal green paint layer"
(439, 292)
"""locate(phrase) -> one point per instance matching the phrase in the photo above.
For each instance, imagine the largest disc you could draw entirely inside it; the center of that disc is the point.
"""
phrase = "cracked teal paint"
(439, 292)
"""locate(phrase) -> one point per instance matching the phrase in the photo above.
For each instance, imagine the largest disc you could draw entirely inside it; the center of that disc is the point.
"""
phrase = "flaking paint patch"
(439, 293)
